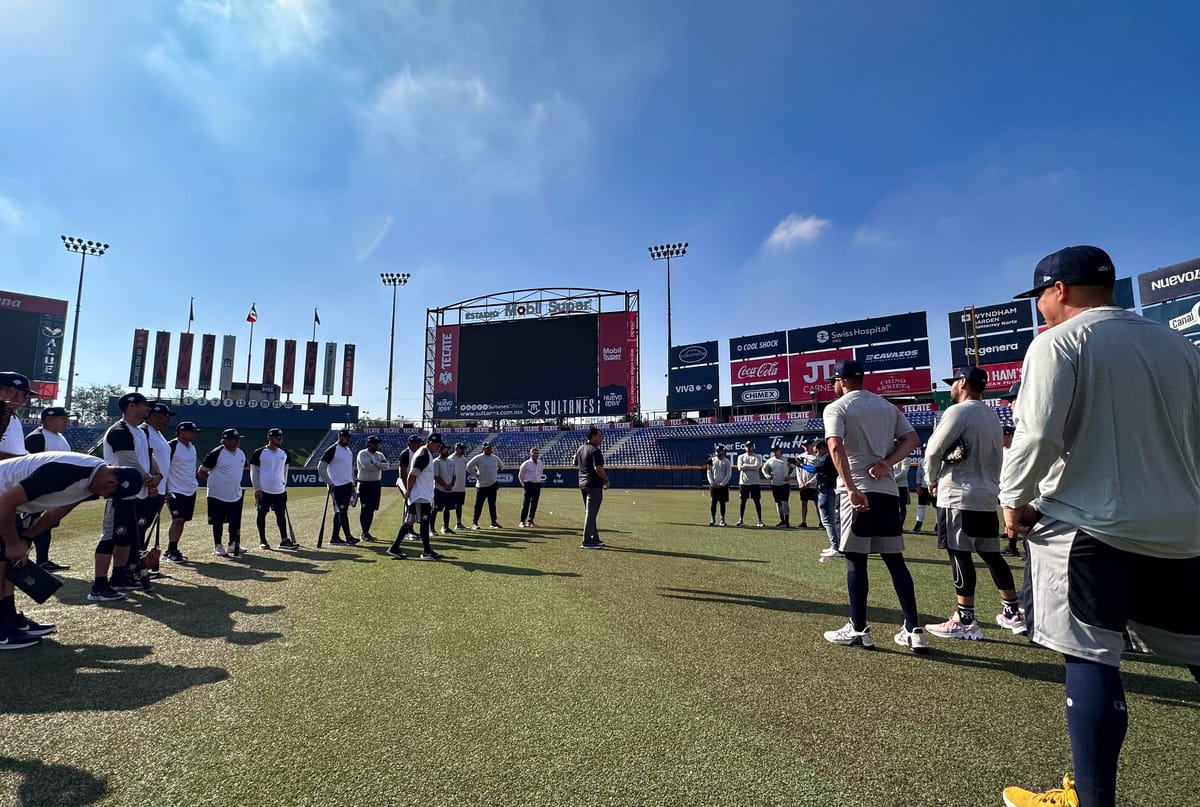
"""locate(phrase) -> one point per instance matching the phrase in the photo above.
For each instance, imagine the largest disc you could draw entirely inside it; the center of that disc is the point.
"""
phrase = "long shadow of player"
(495, 568)
(53, 785)
(773, 603)
(87, 678)
(662, 553)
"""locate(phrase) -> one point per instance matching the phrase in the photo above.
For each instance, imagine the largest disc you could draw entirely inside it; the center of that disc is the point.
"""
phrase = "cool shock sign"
(763, 344)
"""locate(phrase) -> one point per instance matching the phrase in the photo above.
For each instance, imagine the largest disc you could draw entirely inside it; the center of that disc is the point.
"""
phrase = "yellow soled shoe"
(1064, 797)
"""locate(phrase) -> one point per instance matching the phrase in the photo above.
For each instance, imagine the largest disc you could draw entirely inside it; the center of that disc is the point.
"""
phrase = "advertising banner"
(228, 345)
(898, 382)
(310, 368)
(1170, 282)
(330, 368)
(755, 371)
(893, 357)
(698, 353)
(813, 373)
(348, 370)
(162, 347)
(759, 394)
(633, 379)
(693, 388)
(288, 385)
(858, 332)
(183, 368)
(763, 344)
(996, 348)
(445, 374)
(1180, 315)
(208, 351)
(1000, 376)
(270, 349)
(613, 362)
(137, 363)
(1015, 315)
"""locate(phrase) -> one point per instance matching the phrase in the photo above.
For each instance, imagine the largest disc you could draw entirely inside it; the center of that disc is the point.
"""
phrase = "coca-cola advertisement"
(754, 371)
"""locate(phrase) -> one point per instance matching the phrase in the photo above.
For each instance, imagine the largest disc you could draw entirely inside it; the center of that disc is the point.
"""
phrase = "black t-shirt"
(827, 475)
(588, 458)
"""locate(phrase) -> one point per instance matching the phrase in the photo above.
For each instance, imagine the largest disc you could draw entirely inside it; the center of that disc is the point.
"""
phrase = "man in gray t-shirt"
(867, 436)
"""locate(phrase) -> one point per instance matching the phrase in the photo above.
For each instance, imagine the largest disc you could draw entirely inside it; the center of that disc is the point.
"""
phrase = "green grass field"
(683, 666)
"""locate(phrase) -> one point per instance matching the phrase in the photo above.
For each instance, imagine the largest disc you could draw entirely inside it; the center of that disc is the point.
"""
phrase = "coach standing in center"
(530, 476)
(593, 480)
(486, 467)
(222, 469)
(371, 463)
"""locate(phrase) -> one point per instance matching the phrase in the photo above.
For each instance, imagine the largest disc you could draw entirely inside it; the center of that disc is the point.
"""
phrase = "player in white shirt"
(150, 509)
(337, 469)
(370, 463)
(749, 467)
(444, 483)
(418, 497)
(778, 472)
(123, 527)
(269, 476)
(718, 473)
(458, 496)
(222, 469)
(808, 481)
(14, 392)
(48, 437)
(181, 487)
(530, 476)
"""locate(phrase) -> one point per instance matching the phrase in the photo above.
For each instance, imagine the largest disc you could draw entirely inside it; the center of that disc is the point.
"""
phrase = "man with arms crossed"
(371, 463)
(778, 472)
(486, 467)
(1109, 507)
(867, 436)
(222, 469)
(749, 466)
(444, 482)
(593, 480)
(458, 496)
(127, 445)
(719, 472)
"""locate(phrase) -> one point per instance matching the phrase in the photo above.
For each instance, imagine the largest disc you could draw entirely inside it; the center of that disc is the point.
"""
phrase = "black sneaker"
(104, 592)
(351, 541)
(174, 557)
(27, 625)
(144, 582)
(51, 566)
(337, 542)
(12, 638)
(592, 545)
(264, 545)
(366, 536)
(289, 546)
(430, 555)
(122, 580)
(495, 525)
(398, 554)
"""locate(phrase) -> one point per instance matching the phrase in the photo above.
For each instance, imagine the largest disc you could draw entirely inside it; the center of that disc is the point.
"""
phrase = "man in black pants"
(530, 476)
(268, 476)
(337, 469)
(486, 467)
(48, 437)
(593, 481)
(371, 463)
(418, 498)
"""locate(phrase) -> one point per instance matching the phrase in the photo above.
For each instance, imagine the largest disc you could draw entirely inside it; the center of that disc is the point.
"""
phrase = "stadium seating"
(84, 438)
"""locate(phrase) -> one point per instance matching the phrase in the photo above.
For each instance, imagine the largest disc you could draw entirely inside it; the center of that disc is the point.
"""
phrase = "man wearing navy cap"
(157, 417)
(458, 495)
(35, 491)
(14, 393)
(486, 466)
(962, 468)
(181, 487)
(269, 477)
(1108, 503)
(370, 463)
(867, 436)
(48, 437)
(418, 498)
(337, 469)
(222, 469)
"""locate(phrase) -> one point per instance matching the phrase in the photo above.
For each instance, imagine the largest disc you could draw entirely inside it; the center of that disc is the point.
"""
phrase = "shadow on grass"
(86, 678)
(495, 568)
(777, 603)
(662, 553)
(199, 611)
(53, 785)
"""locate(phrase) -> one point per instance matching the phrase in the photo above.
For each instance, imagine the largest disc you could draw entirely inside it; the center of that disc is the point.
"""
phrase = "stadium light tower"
(665, 252)
(84, 248)
(395, 280)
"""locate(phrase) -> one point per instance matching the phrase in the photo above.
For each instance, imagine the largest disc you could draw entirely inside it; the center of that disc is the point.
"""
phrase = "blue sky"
(826, 161)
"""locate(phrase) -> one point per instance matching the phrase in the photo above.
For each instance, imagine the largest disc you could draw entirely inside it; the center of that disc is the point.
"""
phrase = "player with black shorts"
(778, 471)
(370, 464)
(924, 497)
(807, 481)
(222, 469)
(418, 497)
(718, 472)
(749, 466)
(269, 476)
(337, 469)
(181, 487)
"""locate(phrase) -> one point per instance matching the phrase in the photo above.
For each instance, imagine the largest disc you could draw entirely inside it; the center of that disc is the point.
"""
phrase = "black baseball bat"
(325, 515)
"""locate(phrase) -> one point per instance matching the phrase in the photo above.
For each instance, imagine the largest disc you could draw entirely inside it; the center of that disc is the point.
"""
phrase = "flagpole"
(191, 313)
(250, 350)
(316, 319)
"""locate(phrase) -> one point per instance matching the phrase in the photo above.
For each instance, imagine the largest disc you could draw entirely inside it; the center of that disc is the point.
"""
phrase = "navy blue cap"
(460, 445)
(487, 444)
(55, 412)
(1074, 266)
(1012, 393)
(161, 408)
(974, 376)
(435, 438)
(187, 426)
(848, 368)
(16, 380)
(129, 483)
(346, 432)
(777, 447)
(414, 438)
(374, 438)
(231, 434)
(131, 398)
(274, 431)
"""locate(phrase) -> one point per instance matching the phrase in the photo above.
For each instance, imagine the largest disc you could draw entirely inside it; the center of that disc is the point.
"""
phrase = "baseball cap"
(808, 441)
(487, 444)
(749, 442)
(777, 447)
(55, 412)
(435, 438)
(848, 368)
(129, 483)
(720, 447)
(460, 445)
(160, 408)
(374, 438)
(1074, 266)
(130, 398)
(974, 376)
(414, 438)
(231, 434)
(187, 426)
(346, 432)
(16, 380)
(1012, 393)
(275, 431)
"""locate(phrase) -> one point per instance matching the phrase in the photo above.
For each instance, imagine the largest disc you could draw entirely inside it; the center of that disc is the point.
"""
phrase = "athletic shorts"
(223, 512)
(458, 498)
(1088, 592)
(876, 529)
(751, 492)
(925, 497)
(903, 493)
(968, 530)
(809, 494)
(781, 493)
(369, 494)
(341, 496)
(181, 507)
(272, 501)
(147, 509)
(419, 513)
(719, 494)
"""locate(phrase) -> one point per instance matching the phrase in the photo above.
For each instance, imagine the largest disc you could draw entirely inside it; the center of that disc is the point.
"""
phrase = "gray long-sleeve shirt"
(719, 471)
(485, 467)
(974, 483)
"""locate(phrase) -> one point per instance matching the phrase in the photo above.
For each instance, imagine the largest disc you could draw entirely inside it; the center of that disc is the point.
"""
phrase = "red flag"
(253, 315)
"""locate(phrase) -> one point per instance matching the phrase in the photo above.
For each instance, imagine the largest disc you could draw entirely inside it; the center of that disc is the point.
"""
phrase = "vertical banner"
(162, 347)
(183, 370)
(348, 370)
(445, 371)
(613, 361)
(310, 368)
(137, 364)
(632, 336)
(228, 345)
(288, 385)
(270, 349)
(208, 350)
(330, 368)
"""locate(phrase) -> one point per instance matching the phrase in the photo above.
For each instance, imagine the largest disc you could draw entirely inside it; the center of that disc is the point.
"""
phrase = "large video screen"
(32, 341)
(540, 367)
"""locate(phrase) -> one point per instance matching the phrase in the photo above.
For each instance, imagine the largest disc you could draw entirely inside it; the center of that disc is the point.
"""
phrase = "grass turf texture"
(684, 665)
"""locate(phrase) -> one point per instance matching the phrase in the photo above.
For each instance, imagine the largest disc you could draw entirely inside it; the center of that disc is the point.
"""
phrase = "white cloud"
(454, 124)
(867, 237)
(10, 214)
(270, 29)
(795, 230)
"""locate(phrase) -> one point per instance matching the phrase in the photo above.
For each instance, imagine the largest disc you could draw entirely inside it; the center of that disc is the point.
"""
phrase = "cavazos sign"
(893, 357)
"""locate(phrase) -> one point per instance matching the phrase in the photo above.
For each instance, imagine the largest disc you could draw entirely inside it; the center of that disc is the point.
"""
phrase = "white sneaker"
(849, 637)
(913, 639)
(474, 526)
(219, 549)
(723, 522)
(760, 524)
(952, 628)
(521, 524)
(1015, 623)
(827, 551)
(712, 522)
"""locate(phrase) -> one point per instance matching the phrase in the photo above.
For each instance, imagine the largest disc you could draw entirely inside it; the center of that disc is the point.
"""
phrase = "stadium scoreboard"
(32, 343)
